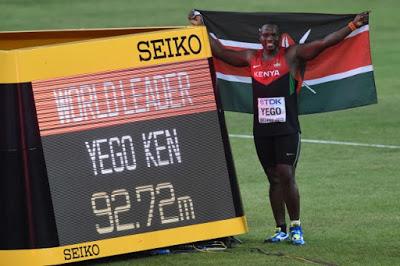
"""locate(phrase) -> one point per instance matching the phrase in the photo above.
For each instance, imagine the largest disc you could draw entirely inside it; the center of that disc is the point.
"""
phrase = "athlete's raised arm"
(232, 57)
(310, 50)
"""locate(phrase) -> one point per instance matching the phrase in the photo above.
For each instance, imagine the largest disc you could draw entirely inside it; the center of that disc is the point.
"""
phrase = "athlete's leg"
(276, 198)
(265, 148)
(290, 193)
(288, 150)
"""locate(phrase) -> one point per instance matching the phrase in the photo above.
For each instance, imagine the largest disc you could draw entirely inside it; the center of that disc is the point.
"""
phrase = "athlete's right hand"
(195, 18)
(361, 19)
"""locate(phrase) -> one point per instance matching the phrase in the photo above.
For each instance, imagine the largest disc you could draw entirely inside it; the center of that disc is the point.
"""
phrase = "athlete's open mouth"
(270, 45)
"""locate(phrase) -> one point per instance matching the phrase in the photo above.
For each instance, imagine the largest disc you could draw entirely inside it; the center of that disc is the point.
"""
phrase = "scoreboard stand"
(113, 141)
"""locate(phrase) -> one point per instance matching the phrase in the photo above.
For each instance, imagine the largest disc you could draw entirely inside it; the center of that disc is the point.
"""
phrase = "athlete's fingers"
(195, 18)
(361, 19)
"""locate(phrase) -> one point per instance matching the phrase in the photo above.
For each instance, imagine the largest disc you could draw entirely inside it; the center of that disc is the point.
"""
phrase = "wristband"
(352, 26)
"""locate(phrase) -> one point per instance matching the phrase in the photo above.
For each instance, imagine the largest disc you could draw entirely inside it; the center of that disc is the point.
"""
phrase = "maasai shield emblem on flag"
(340, 77)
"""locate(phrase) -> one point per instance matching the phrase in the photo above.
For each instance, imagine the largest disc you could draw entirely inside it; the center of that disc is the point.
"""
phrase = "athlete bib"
(271, 110)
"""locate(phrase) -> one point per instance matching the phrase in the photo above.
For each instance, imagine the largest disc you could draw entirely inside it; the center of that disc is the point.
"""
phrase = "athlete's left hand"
(361, 19)
(195, 18)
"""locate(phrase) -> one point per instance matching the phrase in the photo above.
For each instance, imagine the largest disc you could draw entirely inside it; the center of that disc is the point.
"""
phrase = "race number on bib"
(271, 110)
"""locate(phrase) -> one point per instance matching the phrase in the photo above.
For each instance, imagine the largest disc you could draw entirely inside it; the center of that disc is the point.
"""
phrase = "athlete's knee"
(273, 178)
(285, 174)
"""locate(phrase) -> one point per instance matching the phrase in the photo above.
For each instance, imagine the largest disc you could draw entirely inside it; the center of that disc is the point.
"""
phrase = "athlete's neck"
(269, 54)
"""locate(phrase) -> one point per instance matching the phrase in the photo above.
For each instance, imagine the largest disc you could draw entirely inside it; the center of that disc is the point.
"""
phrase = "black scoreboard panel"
(157, 174)
(133, 151)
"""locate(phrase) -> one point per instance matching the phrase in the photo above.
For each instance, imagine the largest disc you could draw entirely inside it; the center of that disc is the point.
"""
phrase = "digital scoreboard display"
(134, 143)
(133, 151)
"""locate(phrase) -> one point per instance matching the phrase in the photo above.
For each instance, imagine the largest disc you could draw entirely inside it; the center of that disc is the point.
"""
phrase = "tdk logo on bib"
(274, 101)
(271, 110)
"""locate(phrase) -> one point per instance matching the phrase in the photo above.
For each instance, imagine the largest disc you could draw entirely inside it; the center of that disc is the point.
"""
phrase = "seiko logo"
(169, 47)
(267, 74)
(81, 252)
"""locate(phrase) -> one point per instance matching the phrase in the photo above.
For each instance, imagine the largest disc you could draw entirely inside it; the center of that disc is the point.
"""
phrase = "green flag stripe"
(236, 96)
(345, 93)
(350, 92)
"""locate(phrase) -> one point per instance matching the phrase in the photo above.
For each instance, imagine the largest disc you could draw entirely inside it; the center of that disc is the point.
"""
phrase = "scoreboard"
(141, 151)
(134, 145)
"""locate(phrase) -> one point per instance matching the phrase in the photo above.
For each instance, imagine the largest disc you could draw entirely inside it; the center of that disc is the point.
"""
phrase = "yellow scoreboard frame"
(47, 56)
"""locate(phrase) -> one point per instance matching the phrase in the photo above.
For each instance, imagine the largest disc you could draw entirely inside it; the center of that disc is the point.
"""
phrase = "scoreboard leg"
(25, 202)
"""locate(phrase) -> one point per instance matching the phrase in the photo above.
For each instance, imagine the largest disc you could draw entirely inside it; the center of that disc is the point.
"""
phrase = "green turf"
(350, 207)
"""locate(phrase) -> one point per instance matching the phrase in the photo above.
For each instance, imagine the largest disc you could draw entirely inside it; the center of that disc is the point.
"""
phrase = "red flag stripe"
(227, 69)
(351, 53)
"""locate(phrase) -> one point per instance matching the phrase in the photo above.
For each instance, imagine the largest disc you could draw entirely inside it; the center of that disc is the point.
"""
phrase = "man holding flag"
(277, 73)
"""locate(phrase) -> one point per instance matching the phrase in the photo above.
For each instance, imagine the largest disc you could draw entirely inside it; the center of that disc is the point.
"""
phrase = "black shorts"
(284, 149)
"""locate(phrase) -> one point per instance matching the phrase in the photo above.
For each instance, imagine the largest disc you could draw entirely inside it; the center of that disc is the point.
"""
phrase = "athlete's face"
(269, 37)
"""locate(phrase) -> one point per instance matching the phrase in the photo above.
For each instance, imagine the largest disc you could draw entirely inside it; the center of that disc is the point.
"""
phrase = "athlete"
(276, 73)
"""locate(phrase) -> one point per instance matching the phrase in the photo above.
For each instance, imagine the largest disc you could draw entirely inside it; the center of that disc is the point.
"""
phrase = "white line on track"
(329, 142)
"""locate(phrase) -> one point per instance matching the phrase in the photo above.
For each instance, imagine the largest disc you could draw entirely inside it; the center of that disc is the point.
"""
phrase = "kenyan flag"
(340, 77)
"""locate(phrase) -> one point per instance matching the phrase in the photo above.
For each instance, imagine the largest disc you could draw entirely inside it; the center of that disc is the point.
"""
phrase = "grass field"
(350, 194)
